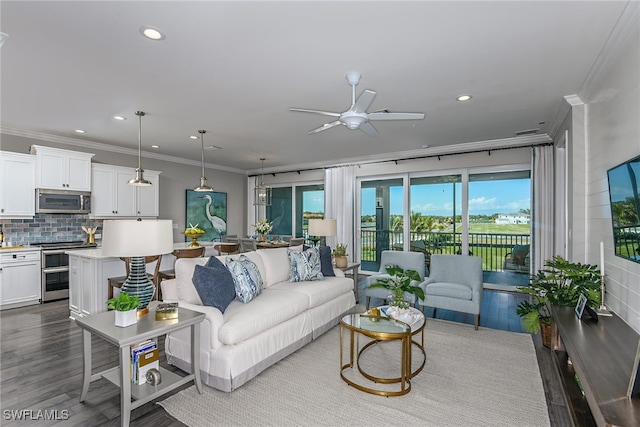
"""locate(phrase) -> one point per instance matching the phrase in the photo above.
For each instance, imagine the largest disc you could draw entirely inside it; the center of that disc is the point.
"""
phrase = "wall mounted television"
(624, 181)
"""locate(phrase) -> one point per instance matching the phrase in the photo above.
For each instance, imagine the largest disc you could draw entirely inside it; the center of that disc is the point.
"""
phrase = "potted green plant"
(401, 281)
(340, 255)
(560, 283)
(126, 308)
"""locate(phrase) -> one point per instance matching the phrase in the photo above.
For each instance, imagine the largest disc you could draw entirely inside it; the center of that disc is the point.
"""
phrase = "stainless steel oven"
(55, 268)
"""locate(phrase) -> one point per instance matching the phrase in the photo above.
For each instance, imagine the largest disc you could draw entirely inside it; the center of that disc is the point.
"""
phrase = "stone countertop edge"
(96, 253)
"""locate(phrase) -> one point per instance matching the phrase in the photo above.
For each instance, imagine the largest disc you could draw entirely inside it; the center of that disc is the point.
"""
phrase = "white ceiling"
(234, 69)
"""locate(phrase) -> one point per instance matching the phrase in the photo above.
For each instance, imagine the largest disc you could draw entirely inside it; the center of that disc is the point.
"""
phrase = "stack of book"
(144, 356)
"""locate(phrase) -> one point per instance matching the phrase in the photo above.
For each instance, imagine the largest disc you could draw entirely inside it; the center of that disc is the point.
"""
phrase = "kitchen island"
(90, 269)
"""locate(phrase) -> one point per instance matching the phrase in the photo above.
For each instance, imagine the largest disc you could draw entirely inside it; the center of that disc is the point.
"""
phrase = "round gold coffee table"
(381, 329)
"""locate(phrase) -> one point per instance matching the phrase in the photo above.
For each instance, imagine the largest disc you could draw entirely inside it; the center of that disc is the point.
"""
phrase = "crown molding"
(74, 142)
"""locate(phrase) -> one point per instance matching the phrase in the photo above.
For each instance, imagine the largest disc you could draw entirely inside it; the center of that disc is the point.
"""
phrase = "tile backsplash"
(48, 228)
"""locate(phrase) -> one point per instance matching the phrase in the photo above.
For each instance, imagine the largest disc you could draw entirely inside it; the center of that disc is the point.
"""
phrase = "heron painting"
(209, 211)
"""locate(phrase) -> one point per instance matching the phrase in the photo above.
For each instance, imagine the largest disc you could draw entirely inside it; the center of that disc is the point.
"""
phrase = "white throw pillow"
(276, 265)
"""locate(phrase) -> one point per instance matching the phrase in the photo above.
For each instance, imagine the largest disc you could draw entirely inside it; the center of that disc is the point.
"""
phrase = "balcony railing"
(492, 248)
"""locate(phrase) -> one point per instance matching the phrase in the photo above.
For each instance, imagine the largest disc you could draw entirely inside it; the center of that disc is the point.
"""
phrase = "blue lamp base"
(138, 283)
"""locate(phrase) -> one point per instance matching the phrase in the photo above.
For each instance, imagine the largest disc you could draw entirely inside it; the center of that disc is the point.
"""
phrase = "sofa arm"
(209, 327)
(169, 290)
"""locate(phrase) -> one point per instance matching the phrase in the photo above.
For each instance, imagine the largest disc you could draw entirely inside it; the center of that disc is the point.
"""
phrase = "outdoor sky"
(485, 198)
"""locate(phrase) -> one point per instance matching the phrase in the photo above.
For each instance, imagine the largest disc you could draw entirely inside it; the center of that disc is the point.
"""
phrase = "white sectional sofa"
(239, 344)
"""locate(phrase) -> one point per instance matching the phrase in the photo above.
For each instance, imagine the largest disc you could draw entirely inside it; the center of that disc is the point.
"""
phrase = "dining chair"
(296, 241)
(117, 282)
(227, 249)
(233, 238)
(247, 245)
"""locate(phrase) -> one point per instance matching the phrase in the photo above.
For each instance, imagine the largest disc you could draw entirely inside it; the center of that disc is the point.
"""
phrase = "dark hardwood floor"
(41, 366)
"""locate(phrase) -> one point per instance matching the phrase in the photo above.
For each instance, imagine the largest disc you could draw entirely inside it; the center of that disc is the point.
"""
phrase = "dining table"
(272, 244)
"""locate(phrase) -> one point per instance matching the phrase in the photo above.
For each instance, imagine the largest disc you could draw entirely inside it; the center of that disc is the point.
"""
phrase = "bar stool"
(117, 282)
(178, 253)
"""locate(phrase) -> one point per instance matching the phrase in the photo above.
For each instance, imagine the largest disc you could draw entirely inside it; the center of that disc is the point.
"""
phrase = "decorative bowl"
(194, 239)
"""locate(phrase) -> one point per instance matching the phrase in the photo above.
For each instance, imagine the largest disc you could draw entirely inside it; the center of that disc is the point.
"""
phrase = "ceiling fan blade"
(368, 128)
(324, 113)
(364, 101)
(395, 116)
(325, 127)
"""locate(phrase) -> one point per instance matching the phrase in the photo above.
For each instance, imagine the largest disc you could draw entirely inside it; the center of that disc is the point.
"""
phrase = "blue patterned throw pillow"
(304, 265)
(246, 277)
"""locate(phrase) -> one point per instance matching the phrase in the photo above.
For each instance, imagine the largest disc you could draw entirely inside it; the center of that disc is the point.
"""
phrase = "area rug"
(470, 378)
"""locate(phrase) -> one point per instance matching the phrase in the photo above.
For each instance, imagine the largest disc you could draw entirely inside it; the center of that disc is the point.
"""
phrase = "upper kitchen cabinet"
(58, 169)
(17, 185)
(112, 196)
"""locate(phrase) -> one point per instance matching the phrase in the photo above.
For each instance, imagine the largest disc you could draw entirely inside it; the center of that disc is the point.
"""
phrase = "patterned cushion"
(305, 265)
(214, 284)
(246, 277)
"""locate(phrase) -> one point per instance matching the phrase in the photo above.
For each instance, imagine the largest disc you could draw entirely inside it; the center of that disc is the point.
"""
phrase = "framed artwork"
(582, 301)
(207, 210)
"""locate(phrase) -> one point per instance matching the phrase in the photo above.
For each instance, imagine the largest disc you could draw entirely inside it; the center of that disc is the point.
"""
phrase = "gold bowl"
(194, 239)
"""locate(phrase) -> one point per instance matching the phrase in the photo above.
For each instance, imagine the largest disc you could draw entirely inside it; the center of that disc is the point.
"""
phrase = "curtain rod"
(429, 156)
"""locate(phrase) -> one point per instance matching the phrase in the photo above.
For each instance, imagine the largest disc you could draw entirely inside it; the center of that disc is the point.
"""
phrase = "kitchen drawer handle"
(55, 270)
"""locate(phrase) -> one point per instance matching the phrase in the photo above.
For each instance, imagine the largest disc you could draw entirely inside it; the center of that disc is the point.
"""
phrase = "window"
(308, 203)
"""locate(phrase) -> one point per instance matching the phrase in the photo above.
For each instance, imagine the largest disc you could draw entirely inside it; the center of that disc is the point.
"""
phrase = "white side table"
(133, 396)
(353, 268)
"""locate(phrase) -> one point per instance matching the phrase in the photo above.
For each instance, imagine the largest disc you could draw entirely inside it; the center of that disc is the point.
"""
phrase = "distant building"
(514, 218)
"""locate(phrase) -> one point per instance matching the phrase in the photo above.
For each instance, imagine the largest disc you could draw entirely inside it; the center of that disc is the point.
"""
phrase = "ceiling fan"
(356, 117)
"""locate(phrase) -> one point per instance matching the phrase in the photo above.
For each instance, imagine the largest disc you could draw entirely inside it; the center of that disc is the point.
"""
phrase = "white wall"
(610, 135)
(175, 179)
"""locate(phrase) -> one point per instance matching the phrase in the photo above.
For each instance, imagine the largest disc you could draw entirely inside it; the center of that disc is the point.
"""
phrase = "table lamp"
(322, 228)
(137, 239)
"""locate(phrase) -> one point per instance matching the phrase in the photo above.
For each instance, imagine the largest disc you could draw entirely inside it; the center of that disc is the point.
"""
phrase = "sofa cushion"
(184, 272)
(276, 265)
(451, 290)
(246, 276)
(304, 265)
(214, 284)
(270, 308)
(320, 291)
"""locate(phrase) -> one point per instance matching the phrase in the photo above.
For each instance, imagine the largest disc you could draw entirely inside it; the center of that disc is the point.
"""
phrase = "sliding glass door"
(307, 203)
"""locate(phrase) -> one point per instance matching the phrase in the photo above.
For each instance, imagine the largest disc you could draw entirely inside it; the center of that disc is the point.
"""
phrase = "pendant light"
(203, 179)
(139, 179)
(262, 191)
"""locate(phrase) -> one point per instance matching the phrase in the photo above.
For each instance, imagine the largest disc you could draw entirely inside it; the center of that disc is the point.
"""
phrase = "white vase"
(126, 318)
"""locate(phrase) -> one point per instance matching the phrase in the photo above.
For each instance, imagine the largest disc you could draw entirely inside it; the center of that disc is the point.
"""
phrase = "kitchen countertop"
(18, 249)
(96, 253)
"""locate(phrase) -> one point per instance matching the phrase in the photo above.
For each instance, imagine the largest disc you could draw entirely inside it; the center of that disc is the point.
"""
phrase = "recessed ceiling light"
(155, 146)
(79, 131)
(213, 147)
(119, 118)
(152, 33)
(464, 98)
(193, 137)
(426, 146)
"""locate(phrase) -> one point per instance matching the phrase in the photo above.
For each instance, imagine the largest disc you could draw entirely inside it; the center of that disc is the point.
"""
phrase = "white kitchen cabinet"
(17, 185)
(59, 169)
(112, 196)
(20, 278)
(88, 283)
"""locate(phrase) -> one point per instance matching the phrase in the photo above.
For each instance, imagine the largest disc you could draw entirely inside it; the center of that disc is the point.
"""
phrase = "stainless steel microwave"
(62, 201)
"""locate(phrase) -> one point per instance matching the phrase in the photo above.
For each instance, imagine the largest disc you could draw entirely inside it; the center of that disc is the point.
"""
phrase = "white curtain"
(339, 196)
(543, 206)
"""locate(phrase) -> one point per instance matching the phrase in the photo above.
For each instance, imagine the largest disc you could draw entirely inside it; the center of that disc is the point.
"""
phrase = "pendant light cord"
(202, 132)
(139, 114)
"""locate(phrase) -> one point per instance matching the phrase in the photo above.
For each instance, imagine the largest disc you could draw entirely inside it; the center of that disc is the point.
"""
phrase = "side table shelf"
(133, 396)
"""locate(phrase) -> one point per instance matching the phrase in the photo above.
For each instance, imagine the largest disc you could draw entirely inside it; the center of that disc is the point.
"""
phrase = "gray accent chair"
(454, 283)
(406, 260)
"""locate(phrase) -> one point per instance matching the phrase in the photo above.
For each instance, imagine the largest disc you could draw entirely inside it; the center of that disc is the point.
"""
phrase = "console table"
(604, 355)
(103, 325)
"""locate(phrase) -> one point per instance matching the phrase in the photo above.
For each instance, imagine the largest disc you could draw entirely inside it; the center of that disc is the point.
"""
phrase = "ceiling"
(234, 68)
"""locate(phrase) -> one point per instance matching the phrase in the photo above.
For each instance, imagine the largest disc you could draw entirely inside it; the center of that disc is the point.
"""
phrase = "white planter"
(126, 318)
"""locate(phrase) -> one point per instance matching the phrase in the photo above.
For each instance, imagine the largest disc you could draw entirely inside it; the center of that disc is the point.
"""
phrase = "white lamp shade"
(323, 227)
(136, 238)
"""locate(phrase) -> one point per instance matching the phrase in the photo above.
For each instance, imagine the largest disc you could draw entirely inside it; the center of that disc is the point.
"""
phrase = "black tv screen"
(624, 181)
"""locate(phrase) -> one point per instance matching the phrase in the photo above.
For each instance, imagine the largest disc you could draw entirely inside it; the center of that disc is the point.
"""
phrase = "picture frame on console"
(209, 211)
